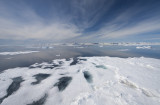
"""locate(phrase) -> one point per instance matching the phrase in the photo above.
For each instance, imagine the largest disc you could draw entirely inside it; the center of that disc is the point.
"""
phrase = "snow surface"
(16, 53)
(91, 81)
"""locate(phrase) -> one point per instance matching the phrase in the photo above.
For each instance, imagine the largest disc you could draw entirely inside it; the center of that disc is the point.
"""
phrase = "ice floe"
(16, 53)
(83, 81)
(143, 47)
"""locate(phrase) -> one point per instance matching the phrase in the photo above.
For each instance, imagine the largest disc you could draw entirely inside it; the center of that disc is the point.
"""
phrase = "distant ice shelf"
(16, 53)
(83, 81)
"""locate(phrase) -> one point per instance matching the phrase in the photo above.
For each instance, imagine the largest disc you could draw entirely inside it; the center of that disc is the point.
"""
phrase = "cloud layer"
(78, 20)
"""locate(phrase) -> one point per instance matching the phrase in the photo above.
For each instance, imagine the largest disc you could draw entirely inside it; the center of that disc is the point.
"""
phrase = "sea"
(47, 54)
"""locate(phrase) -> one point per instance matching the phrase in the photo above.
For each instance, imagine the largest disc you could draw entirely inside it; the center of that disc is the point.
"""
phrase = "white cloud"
(28, 25)
(41, 31)
(22, 22)
(88, 12)
(121, 25)
(140, 28)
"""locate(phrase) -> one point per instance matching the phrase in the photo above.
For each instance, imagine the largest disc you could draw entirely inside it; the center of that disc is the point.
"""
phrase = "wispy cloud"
(54, 31)
(142, 27)
(29, 25)
(135, 20)
(78, 19)
(88, 12)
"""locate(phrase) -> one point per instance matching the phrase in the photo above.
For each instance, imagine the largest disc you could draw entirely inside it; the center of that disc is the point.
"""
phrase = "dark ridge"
(15, 85)
(75, 61)
(39, 78)
(40, 101)
(88, 76)
(63, 83)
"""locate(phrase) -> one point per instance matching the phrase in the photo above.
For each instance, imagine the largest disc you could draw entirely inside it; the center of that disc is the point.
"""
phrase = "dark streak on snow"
(88, 76)
(40, 101)
(63, 83)
(15, 85)
(39, 78)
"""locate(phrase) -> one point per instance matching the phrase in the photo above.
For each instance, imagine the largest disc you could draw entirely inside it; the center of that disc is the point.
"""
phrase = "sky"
(80, 20)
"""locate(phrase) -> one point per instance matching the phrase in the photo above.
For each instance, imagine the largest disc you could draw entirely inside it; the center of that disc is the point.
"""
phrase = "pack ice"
(83, 81)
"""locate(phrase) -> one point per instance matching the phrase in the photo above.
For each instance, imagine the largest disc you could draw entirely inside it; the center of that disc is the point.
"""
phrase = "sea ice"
(16, 53)
(83, 81)
(143, 47)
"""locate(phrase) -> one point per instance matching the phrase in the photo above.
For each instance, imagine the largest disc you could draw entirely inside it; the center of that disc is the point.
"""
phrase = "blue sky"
(80, 20)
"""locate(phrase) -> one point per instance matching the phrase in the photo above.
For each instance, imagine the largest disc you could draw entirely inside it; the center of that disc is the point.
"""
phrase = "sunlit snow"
(83, 81)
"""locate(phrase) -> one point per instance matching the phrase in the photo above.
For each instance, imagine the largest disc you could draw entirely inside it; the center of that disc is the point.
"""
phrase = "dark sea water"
(47, 55)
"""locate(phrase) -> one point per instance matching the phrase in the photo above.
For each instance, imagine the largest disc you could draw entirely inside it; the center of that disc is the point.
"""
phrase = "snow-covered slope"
(83, 81)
